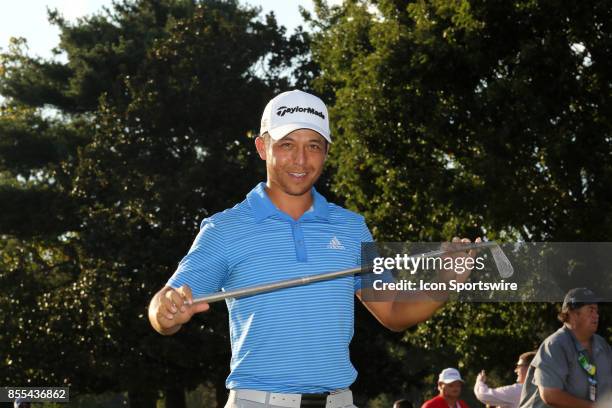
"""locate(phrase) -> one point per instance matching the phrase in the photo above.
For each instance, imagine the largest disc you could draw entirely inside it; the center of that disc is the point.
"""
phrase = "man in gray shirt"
(573, 366)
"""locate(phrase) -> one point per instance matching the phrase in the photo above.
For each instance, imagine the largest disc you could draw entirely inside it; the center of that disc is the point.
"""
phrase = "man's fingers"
(176, 299)
(187, 296)
(172, 302)
(200, 307)
(473, 252)
(166, 309)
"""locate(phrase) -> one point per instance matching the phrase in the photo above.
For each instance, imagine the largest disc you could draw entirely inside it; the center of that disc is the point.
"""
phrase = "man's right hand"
(171, 308)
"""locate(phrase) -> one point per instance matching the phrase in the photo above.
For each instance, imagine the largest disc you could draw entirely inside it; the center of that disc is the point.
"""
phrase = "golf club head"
(504, 267)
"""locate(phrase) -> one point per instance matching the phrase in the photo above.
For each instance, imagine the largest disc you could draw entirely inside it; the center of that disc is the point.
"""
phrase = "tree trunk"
(175, 398)
(221, 392)
(142, 398)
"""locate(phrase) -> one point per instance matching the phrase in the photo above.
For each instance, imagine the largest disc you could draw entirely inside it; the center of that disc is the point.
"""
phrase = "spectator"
(20, 403)
(510, 395)
(403, 403)
(573, 366)
(450, 384)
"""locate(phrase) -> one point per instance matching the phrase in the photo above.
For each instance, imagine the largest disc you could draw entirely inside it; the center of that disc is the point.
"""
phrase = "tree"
(148, 136)
(471, 118)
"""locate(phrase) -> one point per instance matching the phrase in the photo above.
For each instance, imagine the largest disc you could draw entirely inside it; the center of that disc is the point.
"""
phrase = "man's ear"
(260, 145)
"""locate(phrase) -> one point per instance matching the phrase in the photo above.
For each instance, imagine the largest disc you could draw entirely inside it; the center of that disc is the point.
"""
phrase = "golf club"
(502, 263)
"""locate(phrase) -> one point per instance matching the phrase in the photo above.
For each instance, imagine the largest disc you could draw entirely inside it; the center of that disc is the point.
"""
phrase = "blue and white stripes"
(293, 340)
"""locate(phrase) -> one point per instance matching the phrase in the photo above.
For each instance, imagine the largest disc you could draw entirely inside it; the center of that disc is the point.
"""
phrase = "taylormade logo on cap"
(283, 110)
(294, 110)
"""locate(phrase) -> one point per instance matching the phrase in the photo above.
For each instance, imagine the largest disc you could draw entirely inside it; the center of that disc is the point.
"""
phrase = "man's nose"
(300, 156)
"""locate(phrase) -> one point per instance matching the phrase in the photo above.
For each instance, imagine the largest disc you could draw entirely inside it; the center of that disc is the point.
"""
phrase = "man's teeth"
(298, 174)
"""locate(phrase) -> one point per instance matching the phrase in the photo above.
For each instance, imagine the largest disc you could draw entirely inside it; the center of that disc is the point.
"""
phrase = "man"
(450, 384)
(290, 346)
(510, 395)
(403, 403)
(20, 403)
(573, 366)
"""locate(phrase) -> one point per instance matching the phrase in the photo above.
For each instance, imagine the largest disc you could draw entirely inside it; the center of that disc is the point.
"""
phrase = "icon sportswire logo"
(335, 243)
(282, 110)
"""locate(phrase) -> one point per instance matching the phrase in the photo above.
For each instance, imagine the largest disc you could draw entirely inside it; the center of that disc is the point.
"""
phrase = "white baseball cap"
(294, 110)
(449, 375)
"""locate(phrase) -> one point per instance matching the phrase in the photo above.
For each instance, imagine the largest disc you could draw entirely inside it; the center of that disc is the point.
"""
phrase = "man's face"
(521, 373)
(295, 162)
(450, 390)
(585, 319)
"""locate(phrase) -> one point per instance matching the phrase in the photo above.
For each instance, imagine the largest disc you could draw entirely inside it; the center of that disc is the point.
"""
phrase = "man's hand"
(170, 309)
(398, 314)
(460, 260)
(482, 377)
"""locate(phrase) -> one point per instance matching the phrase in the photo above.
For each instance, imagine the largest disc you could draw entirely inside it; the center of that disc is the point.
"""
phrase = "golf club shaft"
(254, 290)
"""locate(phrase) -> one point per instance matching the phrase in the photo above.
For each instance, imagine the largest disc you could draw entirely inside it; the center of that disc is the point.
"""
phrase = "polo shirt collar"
(594, 342)
(262, 206)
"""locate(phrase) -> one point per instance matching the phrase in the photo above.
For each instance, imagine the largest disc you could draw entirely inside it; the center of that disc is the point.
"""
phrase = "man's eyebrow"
(286, 138)
(310, 140)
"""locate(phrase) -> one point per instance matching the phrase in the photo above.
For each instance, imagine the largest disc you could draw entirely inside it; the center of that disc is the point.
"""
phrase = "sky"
(28, 19)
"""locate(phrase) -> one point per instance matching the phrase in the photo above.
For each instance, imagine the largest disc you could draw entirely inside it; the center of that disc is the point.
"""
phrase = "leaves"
(102, 199)
(469, 118)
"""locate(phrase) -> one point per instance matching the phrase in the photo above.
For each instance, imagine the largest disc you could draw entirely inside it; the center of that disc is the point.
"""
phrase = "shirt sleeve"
(204, 268)
(551, 365)
(369, 252)
(365, 236)
(509, 395)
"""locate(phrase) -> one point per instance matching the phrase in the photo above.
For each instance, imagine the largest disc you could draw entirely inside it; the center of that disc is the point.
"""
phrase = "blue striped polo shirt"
(293, 340)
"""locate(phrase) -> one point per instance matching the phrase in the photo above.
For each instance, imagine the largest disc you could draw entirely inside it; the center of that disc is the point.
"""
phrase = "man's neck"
(584, 338)
(293, 205)
(452, 402)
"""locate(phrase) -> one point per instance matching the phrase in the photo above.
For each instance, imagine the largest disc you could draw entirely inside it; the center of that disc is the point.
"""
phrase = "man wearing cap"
(573, 366)
(20, 403)
(403, 403)
(450, 384)
(290, 347)
(508, 396)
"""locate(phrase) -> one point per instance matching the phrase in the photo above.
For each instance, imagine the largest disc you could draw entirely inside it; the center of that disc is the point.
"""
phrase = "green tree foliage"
(109, 162)
(470, 118)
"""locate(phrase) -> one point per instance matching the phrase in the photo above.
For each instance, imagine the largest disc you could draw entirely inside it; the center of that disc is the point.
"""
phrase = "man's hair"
(403, 403)
(266, 138)
(563, 315)
(527, 357)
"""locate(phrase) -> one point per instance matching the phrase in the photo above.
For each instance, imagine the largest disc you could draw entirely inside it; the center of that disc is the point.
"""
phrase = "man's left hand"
(462, 268)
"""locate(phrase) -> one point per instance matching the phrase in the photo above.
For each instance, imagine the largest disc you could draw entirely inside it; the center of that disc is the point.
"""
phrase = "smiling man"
(290, 347)
(573, 366)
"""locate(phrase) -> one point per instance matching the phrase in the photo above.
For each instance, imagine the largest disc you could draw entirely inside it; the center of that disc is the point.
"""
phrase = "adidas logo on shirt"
(335, 244)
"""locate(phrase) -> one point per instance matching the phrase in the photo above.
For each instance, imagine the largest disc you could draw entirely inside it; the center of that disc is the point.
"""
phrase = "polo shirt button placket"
(298, 240)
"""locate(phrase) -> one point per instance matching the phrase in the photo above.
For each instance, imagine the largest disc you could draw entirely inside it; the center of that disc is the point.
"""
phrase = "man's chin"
(297, 192)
